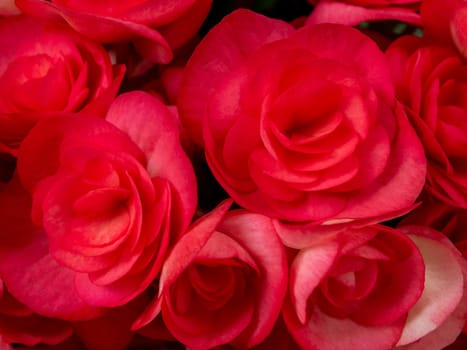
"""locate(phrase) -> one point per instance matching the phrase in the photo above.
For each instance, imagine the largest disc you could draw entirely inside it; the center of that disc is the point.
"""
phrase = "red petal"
(459, 30)
(181, 257)
(444, 284)
(307, 271)
(31, 274)
(256, 234)
(349, 47)
(154, 129)
(56, 135)
(321, 330)
(328, 11)
(401, 182)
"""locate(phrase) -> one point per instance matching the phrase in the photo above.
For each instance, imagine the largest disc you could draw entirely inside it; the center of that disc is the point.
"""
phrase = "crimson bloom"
(224, 281)
(380, 286)
(46, 68)
(431, 82)
(300, 127)
(94, 208)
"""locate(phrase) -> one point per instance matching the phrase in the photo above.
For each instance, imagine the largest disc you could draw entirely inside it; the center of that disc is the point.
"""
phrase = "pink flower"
(155, 26)
(431, 82)
(353, 12)
(299, 126)
(46, 68)
(376, 285)
(95, 207)
(224, 281)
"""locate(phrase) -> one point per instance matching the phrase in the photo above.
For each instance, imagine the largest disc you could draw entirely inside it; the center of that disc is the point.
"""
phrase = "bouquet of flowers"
(207, 174)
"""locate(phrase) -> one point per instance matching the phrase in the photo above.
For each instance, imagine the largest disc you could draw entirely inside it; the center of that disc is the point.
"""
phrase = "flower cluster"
(201, 174)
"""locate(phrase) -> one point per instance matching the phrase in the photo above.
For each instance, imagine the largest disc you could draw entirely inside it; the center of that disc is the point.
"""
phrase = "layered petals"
(105, 208)
(439, 315)
(341, 283)
(224, 282)
(431, 84)
(49, 70)
(322, 137)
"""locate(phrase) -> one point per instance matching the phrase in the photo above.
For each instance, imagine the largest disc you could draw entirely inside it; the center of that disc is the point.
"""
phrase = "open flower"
(47, 68)
(431, 82)
(377, 287)
(224, 281)
(95, 207)
(301, 125)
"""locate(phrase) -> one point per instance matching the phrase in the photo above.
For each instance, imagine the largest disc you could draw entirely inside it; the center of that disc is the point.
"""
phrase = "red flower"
(303, 128)
(96, 205)
(431, 82)
(376, 285)
(155, 26)
(224, 281)
(46, 68)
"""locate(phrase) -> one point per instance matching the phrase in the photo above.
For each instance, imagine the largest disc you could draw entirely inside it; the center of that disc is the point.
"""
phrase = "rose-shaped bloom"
(304, 128)
(373, 285)
(19, 325)
(156, 27)
(47, 68)
(105, 198)
(432, 84)
(445, 21)
(353, 12)
(224, 281)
